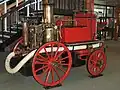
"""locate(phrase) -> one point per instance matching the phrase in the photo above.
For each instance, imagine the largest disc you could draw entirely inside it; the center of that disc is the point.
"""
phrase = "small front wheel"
(96, 63)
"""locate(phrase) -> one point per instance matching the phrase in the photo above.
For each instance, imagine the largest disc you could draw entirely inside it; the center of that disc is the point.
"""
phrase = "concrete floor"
(78, 78)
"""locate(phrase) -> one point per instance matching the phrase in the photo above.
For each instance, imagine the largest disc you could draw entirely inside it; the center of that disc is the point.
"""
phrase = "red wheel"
(17, 46)
(53, 66)
(96, 63)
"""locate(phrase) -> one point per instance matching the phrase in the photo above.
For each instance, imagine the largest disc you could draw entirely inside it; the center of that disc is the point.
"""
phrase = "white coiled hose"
(20, 64)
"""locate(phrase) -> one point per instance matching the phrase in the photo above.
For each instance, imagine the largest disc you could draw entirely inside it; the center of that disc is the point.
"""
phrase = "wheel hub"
(99, 63)
(52, 62)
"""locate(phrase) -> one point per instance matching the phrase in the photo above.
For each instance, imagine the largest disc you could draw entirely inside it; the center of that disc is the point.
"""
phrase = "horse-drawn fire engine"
(51, 50)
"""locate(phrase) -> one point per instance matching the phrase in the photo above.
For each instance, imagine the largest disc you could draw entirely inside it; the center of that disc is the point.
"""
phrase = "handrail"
(13, 4)
(16, 9)
(4, 2)
(28, 5)
(21, 6)
(10, 6)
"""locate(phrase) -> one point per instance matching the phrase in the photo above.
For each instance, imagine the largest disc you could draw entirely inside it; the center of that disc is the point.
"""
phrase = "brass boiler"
(50, 33)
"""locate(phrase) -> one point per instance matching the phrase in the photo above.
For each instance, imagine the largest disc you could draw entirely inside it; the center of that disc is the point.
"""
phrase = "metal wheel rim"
(51, 69)
(93, 66)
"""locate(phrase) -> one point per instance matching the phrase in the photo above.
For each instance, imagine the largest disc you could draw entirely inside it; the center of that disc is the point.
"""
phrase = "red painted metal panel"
(75, 34)
(81, 22)
(84, 28)
(88, 20)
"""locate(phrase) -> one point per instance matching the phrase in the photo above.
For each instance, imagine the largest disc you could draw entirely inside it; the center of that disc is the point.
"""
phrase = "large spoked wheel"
(51, 64)
(18, 45)
(96, 63)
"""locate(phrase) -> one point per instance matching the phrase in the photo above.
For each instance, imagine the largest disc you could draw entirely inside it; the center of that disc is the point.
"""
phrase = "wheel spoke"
(98, 68)
(57, 51)
(42, 74)
(56, 73)
(60, 54)
(42, 57)
(43, 67)
(63, 64)
(63, 58)
(47, 76)
(93, 62)
(92, 67)
(100, 57)
(37, 62)
(59, 62)
(52, 50)
(61, 69)
(52, 74)
(46, 53)
(95, 69)
(96, 56)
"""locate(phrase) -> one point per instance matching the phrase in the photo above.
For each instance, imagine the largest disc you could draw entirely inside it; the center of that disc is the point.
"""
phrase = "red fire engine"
(51, 50)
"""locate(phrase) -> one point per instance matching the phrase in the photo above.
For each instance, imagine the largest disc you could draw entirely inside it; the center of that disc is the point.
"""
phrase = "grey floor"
(78, 78)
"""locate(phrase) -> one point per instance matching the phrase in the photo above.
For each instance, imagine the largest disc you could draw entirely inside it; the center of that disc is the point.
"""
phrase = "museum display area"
(59, 44)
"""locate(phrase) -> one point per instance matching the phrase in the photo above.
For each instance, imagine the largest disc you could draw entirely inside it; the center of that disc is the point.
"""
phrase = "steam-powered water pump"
(50, 51)
(36, 35)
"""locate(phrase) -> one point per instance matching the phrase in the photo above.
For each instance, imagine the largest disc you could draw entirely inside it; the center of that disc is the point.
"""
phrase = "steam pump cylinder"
(25, 33)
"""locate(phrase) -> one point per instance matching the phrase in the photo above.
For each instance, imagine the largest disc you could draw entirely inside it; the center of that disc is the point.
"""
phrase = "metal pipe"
(25, 33)
(35, 5)
(38, 5)
(48, 12)
(17, 3)
(48, 20)
(28, 9)
(5, 20)
(17, 16)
